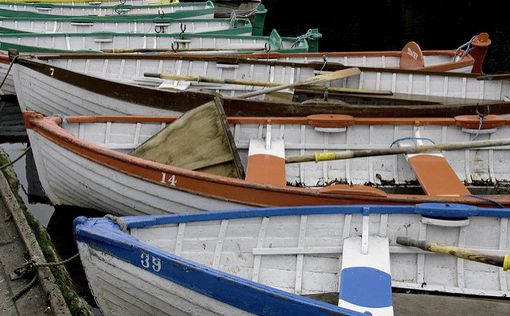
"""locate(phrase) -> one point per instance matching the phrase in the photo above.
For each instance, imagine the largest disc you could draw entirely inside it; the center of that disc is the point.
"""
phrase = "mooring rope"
(308, 35)
(8, 71)
(15, 160)
(118, 221)
(25, 289)
(29, 267)
(467, 47)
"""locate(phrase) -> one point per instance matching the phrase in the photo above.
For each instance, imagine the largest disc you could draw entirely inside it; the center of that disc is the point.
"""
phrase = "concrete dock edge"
(45, 277)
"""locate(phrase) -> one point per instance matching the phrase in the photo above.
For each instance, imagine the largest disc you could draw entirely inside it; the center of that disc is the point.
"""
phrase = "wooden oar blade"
(340, 74)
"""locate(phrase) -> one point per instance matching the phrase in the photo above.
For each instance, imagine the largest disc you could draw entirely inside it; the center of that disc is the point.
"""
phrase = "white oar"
(340, 74)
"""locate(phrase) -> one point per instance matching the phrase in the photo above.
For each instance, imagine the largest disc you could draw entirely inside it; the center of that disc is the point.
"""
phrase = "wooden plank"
(199, 140)
(436, 176)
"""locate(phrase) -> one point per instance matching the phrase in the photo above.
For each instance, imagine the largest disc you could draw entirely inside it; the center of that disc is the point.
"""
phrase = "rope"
(63, 120)
(411, 138)
(325, 59)
(27, 287)
(118, 221)
(233, 19)
(238, 13)
(467, 47)
(54, 264)
(481, 117)
(8, 70)
(485, 199)
(20, 156)
(308, 35)
(29, 267)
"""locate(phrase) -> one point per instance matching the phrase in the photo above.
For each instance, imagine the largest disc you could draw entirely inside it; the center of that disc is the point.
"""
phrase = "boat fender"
(480, 121)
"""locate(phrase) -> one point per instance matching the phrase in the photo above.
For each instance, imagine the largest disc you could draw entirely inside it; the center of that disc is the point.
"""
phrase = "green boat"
(110, 42)
(113, 24)
(178, 10)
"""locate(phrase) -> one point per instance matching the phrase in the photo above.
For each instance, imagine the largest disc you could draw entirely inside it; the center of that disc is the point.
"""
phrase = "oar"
(263, 83)
(494, 77)
(324, 156)
(316, 79)
(156, 50)
(468, 254)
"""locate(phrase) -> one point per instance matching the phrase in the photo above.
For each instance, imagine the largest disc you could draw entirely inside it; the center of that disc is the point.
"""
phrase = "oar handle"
(463, 253)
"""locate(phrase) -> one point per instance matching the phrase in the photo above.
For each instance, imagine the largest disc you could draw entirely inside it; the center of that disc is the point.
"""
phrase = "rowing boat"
(83, 161)
(114, 9)
(112, 24)
(296, 251)
(467, 58)
(137, 42)
(92, 2)
(115, 84)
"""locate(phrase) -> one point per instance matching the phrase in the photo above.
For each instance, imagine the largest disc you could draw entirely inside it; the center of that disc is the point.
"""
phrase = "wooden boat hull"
(134, 42)
(128, 11)
(87, 79)
(295, 250)
(159, 25)
(84, 165)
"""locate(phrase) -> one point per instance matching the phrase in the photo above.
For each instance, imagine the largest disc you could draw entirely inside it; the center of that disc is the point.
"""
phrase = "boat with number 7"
(284, 260)
(134, 84)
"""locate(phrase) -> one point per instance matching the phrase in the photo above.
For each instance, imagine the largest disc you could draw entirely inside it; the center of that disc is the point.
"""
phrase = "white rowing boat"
(209, 263)
(83, 161)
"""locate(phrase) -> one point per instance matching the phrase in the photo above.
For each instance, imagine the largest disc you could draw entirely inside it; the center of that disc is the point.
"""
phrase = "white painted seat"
(365, 278)
(266, 162)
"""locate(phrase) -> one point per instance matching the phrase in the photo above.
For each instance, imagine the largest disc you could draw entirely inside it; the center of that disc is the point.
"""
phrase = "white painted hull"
(123, 289)
(301, 254)
(8, 86)
(68, 178)
(48, 26)
(109, 41)
(48, 96)
(421, 84)
(101, 10)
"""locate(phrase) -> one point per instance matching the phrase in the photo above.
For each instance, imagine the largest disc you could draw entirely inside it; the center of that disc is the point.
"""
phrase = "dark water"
(390, 24)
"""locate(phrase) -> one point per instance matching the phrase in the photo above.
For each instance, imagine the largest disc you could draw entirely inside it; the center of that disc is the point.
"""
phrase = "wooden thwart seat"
(266, 162)
(365, 278)
(436, 176)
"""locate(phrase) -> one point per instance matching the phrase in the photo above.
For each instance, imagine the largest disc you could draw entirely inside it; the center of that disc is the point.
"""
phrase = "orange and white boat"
(468, 58)
(83, 161)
